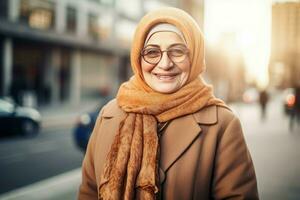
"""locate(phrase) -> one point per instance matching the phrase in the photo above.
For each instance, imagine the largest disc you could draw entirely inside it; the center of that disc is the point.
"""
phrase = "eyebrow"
(172, 45)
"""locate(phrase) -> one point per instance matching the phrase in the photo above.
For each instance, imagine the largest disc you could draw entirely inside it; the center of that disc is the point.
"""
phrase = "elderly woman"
(166, 136)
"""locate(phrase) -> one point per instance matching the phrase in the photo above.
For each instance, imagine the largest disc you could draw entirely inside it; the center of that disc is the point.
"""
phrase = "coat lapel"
(181, 133)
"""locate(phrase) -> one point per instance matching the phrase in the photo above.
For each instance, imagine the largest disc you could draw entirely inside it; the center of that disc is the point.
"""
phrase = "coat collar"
(112, 109)
(207, 115)
(178, 136)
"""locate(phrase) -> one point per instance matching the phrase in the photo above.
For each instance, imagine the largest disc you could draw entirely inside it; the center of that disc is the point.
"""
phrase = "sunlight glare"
(250, 21)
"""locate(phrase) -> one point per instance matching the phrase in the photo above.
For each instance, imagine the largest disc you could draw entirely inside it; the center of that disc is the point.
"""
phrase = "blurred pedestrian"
(295, 113)
(166, 136)
(263, 101)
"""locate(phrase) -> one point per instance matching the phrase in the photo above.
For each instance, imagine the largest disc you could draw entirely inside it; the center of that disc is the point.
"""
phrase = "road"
(26, 160)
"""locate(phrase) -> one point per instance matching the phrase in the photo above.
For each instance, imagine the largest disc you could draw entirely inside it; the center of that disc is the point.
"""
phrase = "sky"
(250, 21)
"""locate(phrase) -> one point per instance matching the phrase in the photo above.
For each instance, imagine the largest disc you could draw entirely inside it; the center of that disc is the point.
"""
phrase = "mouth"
(166, 77)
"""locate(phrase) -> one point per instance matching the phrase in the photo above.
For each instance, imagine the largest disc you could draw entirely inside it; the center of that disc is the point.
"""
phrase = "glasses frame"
(186, 51)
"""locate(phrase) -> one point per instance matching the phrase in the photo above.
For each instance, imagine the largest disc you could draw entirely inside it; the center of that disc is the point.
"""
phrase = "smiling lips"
(166, 77)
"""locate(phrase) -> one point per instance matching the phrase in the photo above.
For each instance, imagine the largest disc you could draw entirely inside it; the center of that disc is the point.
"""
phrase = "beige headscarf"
(163, 27)
(131, 169)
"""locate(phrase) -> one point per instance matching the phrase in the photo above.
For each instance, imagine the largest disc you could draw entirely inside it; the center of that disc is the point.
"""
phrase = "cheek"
(146, 67)
(185, 67)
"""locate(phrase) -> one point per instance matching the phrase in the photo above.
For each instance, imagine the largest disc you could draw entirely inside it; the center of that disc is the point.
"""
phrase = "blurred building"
(284, 68)
(226, 68)
(55, 51)
(66, 51)
(195, 8)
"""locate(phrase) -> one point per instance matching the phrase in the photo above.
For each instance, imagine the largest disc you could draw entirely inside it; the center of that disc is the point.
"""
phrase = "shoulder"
(218, 118)
(112, 109)
(224, 126)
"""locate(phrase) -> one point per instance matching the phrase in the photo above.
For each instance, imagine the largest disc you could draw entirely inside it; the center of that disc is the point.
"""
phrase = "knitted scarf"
(131, 168)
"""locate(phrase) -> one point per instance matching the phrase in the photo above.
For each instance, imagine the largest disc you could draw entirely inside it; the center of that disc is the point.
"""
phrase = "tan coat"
(203, 156)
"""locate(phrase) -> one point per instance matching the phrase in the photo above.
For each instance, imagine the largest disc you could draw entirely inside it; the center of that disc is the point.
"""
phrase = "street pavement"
(24, 161)
(275, 152)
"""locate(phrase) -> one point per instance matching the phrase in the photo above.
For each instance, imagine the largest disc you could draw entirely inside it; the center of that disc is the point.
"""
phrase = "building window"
(93, 26)
(3, 8)
(71, 20)
(105, 2)
(108, 2)
(38, 14)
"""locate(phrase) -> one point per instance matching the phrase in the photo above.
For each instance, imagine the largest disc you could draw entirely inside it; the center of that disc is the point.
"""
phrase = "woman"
(166, 136)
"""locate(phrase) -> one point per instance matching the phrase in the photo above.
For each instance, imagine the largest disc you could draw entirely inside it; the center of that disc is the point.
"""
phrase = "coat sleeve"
(234, 175)
(88, 187)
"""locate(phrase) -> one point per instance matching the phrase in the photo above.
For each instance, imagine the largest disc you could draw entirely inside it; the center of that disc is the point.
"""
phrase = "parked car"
(85, 124)
(16, 119)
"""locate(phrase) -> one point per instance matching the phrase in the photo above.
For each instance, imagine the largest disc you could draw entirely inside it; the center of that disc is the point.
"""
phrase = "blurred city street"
(62, 60)
(26, 160)
(275, 153)
(275, 150)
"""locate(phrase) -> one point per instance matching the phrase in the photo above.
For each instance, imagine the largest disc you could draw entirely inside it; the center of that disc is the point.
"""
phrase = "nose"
(165, 62)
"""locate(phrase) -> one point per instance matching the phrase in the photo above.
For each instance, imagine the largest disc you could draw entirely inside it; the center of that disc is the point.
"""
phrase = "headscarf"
(131, 168)
(164, 27)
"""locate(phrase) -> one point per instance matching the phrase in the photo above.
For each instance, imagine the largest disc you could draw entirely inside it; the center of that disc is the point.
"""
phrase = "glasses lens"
(177, 54)
(151, 55)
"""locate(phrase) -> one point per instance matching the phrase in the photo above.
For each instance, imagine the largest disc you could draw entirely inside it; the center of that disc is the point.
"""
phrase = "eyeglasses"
(153, 55)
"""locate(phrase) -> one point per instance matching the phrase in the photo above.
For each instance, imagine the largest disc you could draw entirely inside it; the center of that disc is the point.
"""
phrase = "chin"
(166, 90)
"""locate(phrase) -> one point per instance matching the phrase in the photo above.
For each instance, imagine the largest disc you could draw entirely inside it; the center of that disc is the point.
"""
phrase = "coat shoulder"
(112, 109)
(214, 114)
(225, 114)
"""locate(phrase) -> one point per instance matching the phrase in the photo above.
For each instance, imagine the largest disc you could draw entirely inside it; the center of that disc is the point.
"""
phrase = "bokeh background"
(63, 59)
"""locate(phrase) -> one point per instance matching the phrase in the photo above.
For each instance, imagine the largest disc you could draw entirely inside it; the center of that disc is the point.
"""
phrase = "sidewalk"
(66, 114)
(60, 187)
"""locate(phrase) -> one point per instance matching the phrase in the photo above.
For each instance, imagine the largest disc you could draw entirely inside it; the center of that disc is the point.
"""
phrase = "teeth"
(164, 77)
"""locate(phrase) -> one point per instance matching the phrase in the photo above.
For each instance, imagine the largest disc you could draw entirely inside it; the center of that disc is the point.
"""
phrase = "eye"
(151, 52)
(177, 51)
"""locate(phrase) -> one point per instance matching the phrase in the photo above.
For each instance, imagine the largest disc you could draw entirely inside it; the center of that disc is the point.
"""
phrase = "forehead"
(165, 39)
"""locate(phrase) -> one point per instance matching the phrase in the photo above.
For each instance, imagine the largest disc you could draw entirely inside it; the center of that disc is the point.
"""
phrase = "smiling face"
(166, 76)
